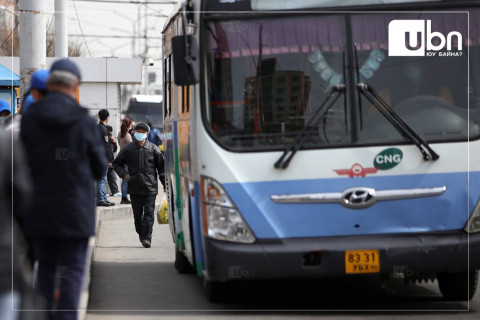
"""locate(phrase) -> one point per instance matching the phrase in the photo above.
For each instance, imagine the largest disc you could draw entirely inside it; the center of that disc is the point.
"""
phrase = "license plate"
(362, 261)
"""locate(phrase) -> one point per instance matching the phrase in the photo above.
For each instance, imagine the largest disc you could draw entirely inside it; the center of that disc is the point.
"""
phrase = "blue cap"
(66, 66)
(28, 102)
(39, 80)
(4, 105)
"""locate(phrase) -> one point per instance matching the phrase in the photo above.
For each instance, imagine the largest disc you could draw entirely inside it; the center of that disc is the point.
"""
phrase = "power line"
(51, 21)
(112, 36)
(81, 30)
(128, 2)
(9, 36)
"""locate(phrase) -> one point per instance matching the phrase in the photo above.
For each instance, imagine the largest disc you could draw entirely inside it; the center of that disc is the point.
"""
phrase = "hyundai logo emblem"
(358, 198)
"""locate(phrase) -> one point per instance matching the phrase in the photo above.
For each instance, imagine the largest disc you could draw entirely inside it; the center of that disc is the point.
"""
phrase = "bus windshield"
(267, 77)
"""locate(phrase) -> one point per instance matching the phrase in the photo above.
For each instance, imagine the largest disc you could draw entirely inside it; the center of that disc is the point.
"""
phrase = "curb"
(112, 213)
(101, 214)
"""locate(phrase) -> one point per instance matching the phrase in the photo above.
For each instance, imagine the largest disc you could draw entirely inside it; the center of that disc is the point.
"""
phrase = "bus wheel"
(458, 286)
(182, 265)
(216, 291)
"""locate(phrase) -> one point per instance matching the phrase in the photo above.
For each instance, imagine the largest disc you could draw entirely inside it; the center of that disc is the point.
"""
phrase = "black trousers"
(112, 180)
(61, 264)
(144, 214)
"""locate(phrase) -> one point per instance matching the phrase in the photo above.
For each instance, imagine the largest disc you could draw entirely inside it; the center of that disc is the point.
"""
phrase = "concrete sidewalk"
(114, 232)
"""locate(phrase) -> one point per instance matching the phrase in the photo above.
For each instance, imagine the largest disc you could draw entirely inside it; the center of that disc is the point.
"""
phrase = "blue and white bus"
(324, 138)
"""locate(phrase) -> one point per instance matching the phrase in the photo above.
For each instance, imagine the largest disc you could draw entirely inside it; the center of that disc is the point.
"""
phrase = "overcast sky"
(104, 20)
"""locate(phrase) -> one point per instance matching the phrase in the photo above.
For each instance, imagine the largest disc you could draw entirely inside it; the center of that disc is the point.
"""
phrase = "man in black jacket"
(144, 161)
(102, 200)
(65, 155)
(12, 163)
(111, 175)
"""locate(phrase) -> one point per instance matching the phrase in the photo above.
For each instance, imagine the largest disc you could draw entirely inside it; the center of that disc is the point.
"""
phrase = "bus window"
(428, 92)
(168, 92)
(184, 99)
(267, 82)
(188, 99)
(268, 78)
(165, 88)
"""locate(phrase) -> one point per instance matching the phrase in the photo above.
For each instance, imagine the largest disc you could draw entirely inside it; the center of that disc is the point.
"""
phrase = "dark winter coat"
(144, 163)
(20, 185)
(106, 142)
(66, 155)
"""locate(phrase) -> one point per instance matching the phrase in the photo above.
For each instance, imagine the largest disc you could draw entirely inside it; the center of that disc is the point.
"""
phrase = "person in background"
(38, 84)
(18, 189)
(111, 175)
(131, 130)
(37, 91)
(102, 200)
(65, 154)
(5, 112)
(124, 138)
(154, 136)
(145, 165)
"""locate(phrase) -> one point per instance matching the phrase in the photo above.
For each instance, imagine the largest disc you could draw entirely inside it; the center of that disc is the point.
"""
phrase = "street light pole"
(61, 30)
(145, 56)
(32, 40)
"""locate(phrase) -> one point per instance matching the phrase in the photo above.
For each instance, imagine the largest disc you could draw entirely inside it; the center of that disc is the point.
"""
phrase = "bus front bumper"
(451, 251)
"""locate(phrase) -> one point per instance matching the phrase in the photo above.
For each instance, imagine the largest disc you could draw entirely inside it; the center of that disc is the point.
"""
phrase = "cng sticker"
(388, 158)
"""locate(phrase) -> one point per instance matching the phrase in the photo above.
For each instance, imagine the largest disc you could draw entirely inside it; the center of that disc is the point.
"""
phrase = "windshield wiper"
(402, 127)
(302, 136)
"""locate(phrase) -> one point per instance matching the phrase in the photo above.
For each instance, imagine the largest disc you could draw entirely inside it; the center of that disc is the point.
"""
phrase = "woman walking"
(123, 139)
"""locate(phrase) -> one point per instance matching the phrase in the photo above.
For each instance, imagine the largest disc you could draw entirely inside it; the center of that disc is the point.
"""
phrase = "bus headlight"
(221, 218)
(473, 224)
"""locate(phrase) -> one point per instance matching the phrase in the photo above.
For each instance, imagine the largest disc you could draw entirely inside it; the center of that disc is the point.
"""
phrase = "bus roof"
(217, 6)
(147, 98)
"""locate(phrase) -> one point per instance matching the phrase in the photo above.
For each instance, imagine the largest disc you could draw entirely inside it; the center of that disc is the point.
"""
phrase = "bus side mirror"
(186, 66)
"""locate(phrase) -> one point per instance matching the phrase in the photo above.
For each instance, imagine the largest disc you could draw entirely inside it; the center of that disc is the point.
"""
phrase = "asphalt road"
(131, 282)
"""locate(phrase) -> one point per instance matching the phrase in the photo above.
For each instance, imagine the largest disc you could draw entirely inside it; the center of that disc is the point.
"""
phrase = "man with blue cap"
(5, 111)
(38, 84)
(65, 155)
(37, 91)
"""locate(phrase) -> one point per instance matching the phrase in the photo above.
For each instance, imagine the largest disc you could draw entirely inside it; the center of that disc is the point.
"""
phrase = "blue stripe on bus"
(197, 226)
(269, 220)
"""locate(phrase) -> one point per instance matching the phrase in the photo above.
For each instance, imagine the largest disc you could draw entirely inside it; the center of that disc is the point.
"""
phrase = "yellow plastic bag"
(162, 214)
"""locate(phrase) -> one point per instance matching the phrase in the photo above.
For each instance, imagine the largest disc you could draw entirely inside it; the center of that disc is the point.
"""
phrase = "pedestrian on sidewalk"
(154, 136)
(5, 113)
(123, 139)
(37, 91)
(111, 175)
(145, 165)
(102, 200)
(18, 191)
(65, 154)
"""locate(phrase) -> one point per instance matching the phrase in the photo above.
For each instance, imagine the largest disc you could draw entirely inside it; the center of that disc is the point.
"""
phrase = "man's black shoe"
(111, 204)
(125, 201)
(103, 204)
(146, 243)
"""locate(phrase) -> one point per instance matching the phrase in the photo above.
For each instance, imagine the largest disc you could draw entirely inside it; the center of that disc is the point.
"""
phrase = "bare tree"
(10, 41)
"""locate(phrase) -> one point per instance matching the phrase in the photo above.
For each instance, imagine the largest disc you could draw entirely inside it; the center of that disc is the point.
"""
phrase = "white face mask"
(140, 136)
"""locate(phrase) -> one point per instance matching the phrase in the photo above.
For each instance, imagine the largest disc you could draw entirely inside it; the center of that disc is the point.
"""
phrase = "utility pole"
(145, 56)
(32, 40)
(61, 29)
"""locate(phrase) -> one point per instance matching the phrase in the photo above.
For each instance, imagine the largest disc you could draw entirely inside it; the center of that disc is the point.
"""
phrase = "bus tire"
(182, 265)
(458, 286)
(215, 291)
